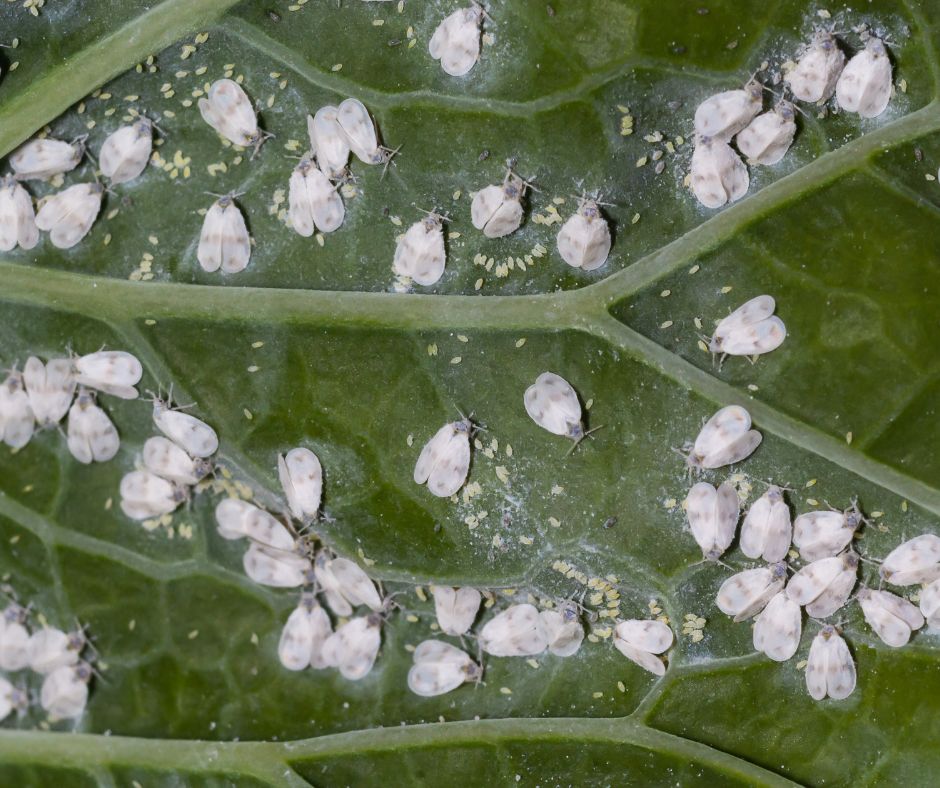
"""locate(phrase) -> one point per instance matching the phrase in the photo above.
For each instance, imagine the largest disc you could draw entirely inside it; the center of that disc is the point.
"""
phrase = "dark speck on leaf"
(549, 10)
(394, 42)
(677, 49)
(274, 16)
(484, 155)
(918, 154)
(702, 11)
(610, 522)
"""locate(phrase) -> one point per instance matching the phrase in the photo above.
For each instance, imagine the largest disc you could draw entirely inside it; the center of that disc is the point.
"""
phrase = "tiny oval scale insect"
(357, 124)
(64, 692)
(563, 630)
(818, 69)
(11, 699)
(269, 566)
(822, 534)
(125, 153)
(345, 584)
(314, 202)
(69, 214)
(328, 141)
(144, 495)
(164, 458)
(718, 175)
(14, 639)
(930, 604)
(865, 84)
(17, 216)
(497, 210)
(51, 648)
(354, 646)
(237, 519)
(584, 240)
(456, 41)
(445, 459)
(303, 636)
(915, 561)
(224, 241)
(420, 254)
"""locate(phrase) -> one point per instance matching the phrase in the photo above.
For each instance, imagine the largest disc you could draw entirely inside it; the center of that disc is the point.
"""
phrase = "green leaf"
(310, 346)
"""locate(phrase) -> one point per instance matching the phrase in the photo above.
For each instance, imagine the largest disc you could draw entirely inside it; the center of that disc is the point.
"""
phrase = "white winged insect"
(747, 593)
(824, 586)
(766, 531)
(114, 372)
(768, 137)
(456, 40)
(164, 458)
(584, 239)
(359, 127)
(92, 436)
(193, 435)
(515, 632)
(16, 415)
(345, 584)
(69, 214)
(11, 699)
(17, 216)
(328, 141)
(145, 495)
(915, 561)
(497, 210)
(750, 330)
(440, 668)
(224, 241)
(643, 641)
(726, 438)
(269, 566)
(237, 519)
(14, 639)
(822, 534)
(125, 152)
(456, 608)
(563, 630)
(830, 669)
(777, 628)
(930, 604)
(892, 618)
(314, 202)
(301, 478)
(552, 403)
(717, 174)
(445, 459)
(713, 517)
(723, 115)
(817, 71)
(420, 254)
(304, 634)
(43, 158)
(51, 648)
(229, 111)
(64, 692)
(354, 646)
(50, 388)
(865, 84)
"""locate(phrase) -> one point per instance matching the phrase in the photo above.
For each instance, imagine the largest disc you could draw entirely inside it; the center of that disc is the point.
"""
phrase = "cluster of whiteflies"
(172, 464)
(69, 214)
(823, 585)
(314, 200)
(42, 394)
(53, 654)
(863, 85)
